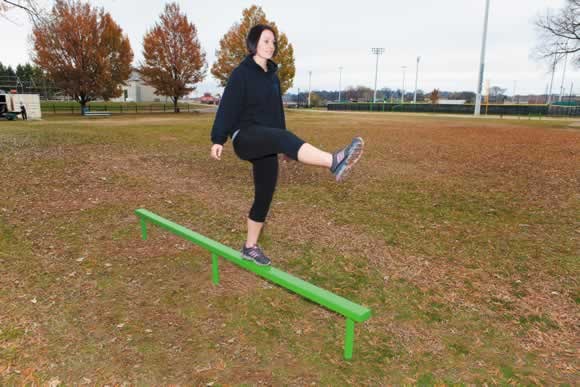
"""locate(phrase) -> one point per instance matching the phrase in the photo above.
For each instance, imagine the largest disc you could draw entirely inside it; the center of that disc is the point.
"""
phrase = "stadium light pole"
(481, 61)
(309, 86)
(339, 81)
(416, 77)
(403, 91)
(376, 51)
(298, 99)
(551, 82)
(563, 74)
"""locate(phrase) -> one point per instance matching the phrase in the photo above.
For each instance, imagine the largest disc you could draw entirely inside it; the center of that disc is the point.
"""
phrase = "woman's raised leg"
(311, 155)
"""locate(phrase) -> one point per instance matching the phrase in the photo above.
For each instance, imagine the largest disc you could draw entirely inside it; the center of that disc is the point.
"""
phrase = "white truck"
(10, 106)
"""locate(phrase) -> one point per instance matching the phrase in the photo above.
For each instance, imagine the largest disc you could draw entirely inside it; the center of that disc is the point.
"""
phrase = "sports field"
(461, 235)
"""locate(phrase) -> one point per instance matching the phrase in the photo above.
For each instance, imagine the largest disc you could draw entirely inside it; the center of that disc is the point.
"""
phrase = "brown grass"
(460, 234)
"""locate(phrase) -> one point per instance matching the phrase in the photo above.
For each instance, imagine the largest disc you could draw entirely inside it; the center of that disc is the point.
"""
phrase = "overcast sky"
(328, 34)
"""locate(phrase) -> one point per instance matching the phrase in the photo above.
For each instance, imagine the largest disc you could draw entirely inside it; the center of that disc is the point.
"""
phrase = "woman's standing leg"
(265, 171)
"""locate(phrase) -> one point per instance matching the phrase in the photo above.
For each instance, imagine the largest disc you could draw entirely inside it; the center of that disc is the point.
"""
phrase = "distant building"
(289, 101)
(451, 101)
(137, 91)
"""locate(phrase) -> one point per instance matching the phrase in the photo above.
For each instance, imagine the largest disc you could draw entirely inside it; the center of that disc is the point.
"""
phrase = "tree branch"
(559, 35)
(30, 8)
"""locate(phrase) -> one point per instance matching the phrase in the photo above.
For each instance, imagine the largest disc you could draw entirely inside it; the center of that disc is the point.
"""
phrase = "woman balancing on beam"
(251, 113)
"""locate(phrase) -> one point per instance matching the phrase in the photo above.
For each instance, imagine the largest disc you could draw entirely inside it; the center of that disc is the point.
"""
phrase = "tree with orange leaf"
(83, 51)
(233, 49)
(174, 60)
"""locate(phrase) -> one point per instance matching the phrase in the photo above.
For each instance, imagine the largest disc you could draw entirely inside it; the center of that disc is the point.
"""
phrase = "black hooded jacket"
(251, 97)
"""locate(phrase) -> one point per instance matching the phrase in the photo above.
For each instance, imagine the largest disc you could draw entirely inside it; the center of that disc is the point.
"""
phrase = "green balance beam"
(351, 311)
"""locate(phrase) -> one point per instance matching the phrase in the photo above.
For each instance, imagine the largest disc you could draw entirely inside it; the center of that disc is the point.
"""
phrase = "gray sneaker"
(255, 254)
(346, 158)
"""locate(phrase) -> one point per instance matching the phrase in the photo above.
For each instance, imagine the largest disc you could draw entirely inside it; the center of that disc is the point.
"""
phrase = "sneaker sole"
(352, 160)
(247, 258)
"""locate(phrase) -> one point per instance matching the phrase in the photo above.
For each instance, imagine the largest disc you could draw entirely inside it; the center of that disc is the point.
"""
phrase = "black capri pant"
(260, 145)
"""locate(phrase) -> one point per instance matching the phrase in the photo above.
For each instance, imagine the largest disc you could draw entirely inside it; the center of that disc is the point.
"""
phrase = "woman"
(251, 113)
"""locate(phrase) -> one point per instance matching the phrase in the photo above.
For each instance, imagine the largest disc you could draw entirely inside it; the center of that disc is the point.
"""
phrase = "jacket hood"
(250, 62)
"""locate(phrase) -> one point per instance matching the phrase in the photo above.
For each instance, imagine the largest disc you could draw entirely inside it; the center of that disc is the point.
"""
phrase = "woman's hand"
(285, 158)
(216, 151)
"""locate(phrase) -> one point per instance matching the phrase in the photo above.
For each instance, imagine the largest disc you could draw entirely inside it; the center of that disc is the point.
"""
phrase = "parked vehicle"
(209, 99)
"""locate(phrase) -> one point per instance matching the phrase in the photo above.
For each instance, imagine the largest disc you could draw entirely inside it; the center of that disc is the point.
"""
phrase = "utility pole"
(376, 51)
(309, 86)
(514, 95)
(481, 61)
(339, 81)
(416, 77)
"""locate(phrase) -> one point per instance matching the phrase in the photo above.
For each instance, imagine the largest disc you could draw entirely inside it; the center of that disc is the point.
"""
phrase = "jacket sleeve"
(282, 106)
(230, 108)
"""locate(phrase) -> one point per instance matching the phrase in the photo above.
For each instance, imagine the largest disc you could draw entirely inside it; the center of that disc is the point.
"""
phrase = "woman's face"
(266, 45)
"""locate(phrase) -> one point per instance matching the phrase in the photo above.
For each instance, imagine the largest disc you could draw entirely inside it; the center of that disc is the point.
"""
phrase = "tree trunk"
(175, 108)
(83, 103)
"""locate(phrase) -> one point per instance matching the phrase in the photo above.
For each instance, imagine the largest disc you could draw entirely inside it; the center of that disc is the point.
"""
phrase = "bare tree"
(434, 96)
(358, 93)
(559, 34)
(497, 94)
(31, 7)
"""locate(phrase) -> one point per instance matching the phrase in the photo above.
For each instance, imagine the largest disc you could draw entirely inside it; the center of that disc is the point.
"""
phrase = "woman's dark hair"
(254, 37)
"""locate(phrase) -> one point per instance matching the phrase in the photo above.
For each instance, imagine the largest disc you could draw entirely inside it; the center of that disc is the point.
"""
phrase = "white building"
(137, 91)
(451, 101)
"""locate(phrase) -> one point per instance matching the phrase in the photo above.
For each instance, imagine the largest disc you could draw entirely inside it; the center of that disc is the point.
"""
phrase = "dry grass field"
(461, 235)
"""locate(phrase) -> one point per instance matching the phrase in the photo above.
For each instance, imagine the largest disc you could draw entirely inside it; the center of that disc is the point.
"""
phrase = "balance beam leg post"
(143, 229)
(349, 339)
(214, 268)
